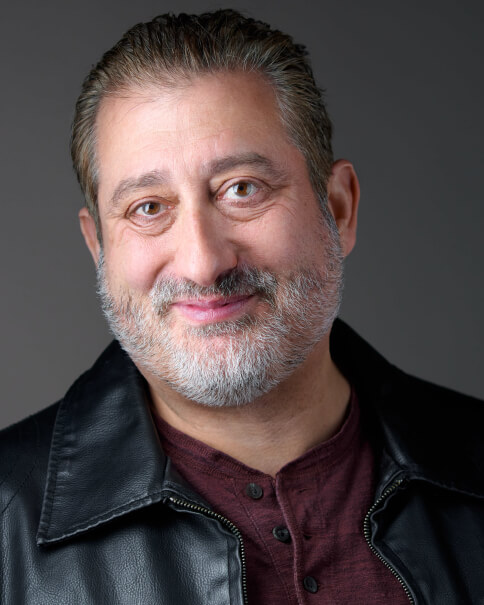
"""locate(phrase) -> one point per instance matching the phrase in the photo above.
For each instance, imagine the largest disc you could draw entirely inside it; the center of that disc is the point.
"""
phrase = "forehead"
(206, 102)
(207, 117)
(233, 86)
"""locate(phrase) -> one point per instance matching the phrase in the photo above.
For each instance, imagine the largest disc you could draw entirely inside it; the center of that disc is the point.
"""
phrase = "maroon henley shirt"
(303, 528)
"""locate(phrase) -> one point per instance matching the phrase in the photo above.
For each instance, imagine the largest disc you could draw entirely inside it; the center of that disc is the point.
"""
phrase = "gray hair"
(172, 49)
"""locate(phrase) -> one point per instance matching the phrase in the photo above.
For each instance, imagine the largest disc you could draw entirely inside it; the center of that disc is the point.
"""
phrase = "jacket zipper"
(233, 529)
(367, 533)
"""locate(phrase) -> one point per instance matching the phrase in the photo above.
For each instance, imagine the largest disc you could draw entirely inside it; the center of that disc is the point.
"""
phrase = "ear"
(343, 198)
(88, 228)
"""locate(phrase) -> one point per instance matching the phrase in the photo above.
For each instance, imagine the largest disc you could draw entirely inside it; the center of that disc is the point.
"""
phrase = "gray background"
(404, 86)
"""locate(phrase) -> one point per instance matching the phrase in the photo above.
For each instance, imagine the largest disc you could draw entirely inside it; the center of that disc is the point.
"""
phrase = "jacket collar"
(106, 459)
(427, 432)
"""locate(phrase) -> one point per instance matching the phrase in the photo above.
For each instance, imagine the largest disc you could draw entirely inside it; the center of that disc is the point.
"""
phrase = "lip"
(211, 310)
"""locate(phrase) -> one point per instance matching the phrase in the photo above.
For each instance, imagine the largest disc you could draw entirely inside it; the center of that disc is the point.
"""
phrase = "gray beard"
(228, 363)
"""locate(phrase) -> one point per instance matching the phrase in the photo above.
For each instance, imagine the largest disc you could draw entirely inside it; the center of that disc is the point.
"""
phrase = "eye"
(150, 216)
(240, 190)
(148, 209)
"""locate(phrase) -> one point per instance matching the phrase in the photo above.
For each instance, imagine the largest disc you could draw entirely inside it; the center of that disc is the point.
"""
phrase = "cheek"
(133, 264)
(285, 241)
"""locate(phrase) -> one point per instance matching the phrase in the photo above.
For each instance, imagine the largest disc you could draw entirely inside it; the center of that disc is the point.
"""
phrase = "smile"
(208, 310)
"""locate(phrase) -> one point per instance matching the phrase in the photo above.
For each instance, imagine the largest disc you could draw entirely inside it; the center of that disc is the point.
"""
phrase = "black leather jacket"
(92, 512)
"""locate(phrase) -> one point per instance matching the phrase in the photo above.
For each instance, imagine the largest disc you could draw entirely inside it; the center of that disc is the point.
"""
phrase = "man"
(237, 443)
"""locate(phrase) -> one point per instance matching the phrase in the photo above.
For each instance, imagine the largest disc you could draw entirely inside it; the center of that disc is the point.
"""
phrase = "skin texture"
(194, 182)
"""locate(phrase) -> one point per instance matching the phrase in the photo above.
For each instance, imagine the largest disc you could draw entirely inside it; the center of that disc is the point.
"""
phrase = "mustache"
(240, 281)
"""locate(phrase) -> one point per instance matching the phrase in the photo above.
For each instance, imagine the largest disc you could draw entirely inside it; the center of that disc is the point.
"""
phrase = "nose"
(204, 250)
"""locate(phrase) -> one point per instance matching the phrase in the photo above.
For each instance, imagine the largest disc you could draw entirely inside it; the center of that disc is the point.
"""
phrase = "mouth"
(213, 309)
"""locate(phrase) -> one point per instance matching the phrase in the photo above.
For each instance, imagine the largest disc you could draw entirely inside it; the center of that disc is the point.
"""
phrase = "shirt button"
(310, 584)
(281, 533)
(254, 491)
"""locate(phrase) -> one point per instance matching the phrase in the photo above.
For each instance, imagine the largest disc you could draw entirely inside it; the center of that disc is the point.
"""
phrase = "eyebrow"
(154, 177)
(245, 159)
(213, 168)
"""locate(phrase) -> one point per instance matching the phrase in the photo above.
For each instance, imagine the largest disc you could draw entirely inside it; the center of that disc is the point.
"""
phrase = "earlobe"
(88, 229)
(343, 198)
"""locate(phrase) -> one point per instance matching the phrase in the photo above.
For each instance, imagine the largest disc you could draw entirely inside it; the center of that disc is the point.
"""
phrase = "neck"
(305, 410)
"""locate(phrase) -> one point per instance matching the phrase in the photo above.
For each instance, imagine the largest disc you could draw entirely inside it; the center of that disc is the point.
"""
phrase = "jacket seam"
(26, 478)
(28, 474)
(11, 471)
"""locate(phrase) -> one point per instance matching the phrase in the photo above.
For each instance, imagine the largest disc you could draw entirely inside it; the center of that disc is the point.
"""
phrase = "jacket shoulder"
(441, 420)
(379, 380)
(439, 400)
(430, 430)
(438, 409)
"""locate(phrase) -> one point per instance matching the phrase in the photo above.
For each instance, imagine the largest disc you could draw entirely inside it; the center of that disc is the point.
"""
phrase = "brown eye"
(241, 190)
(149, 209)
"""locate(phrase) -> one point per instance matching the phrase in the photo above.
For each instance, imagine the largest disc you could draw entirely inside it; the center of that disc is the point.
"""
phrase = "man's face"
(218, 273)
